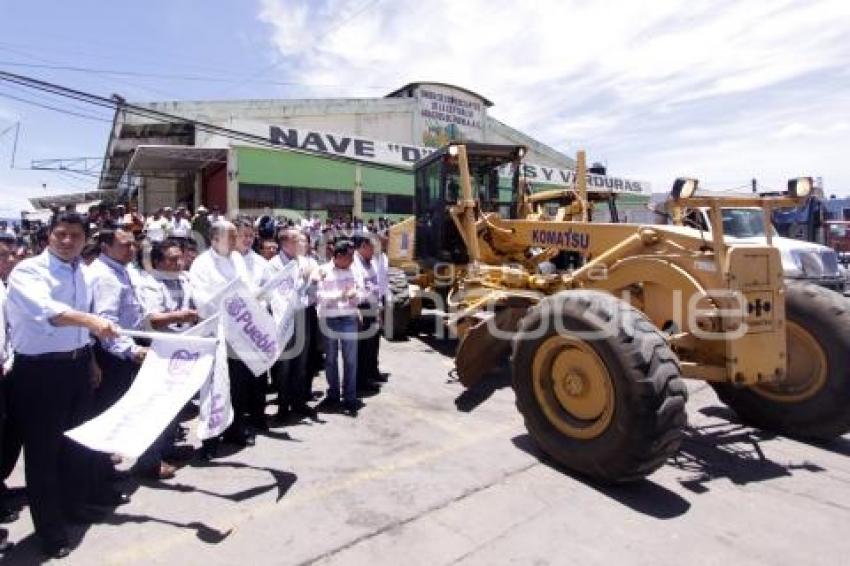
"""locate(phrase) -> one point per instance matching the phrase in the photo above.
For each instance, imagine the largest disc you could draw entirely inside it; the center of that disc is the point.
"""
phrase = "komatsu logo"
(561, 239)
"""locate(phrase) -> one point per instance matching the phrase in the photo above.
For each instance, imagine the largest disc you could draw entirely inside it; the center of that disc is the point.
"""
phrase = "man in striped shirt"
(339, 293)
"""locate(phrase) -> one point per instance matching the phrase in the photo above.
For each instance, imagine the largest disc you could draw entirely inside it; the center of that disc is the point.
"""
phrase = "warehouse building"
(320, 156)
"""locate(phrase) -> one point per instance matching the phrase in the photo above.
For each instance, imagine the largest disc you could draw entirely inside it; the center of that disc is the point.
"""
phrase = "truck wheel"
(609, 406)
(398, 309)
(813, 402)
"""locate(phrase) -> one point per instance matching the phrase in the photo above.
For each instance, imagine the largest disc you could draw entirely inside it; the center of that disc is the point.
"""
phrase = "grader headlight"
(684, 188)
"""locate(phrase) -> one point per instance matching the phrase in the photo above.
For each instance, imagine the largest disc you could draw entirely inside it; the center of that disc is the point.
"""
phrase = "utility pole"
(17, 126)
(755, 186)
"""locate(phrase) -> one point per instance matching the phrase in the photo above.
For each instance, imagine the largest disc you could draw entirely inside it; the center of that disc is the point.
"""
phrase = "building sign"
(349, 146)
(448, 114)
(542, 175)
(405, 155)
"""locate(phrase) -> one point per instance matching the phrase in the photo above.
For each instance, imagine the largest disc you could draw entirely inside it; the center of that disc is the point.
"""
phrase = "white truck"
(802, 261)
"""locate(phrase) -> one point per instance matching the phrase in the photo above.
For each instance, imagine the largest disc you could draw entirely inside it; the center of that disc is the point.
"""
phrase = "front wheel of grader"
(598, 386)
(813, 401)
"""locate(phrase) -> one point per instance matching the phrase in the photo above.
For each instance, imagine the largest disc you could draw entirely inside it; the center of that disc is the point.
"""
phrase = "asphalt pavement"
(430, 474)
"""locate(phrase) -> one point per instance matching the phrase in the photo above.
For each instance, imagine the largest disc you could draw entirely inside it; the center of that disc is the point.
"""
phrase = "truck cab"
(802, 261)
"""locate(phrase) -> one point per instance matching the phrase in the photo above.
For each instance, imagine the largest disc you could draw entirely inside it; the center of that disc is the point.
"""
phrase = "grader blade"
(479, 350)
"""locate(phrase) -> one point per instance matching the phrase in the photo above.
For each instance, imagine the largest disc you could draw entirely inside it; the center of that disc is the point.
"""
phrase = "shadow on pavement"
(498, 378)
(203, 532)
(28, 549)
(729, 450)
(644, 496)
(444, 346)
(283, 481)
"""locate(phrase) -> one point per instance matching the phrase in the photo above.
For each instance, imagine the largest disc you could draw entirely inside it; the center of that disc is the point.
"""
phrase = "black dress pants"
(247, 394)
(47, 398)
(11, 442)
(291, 375)
(367, 348)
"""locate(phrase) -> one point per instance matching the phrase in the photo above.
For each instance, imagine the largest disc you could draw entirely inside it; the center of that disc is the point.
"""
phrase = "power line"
(54, 108)
(49, 99)
(118, 104)
(177, 77)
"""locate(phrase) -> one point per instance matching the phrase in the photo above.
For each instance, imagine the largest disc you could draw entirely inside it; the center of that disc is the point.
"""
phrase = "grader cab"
(599, 349)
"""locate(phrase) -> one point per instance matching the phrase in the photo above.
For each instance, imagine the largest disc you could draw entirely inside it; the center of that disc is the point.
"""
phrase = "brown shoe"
(166, 471)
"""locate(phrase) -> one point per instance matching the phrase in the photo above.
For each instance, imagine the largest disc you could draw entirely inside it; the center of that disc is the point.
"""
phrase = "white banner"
(170, 375)
(215, 412)
(284, 292)
(250, 329)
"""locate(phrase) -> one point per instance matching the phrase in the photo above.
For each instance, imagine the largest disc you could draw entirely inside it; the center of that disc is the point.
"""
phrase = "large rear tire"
(813, 402)
(610, 407)
(397, 322)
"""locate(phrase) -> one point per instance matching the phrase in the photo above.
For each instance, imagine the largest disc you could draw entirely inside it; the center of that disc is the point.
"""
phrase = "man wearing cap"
(338, 294)
(50, 387)
(201, 223)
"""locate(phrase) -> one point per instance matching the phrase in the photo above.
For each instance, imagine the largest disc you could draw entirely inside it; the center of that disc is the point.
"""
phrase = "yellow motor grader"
(599, 347)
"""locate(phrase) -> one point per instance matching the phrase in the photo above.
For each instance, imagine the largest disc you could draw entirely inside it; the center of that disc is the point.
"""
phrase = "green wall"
(270, 167)
(285, 168)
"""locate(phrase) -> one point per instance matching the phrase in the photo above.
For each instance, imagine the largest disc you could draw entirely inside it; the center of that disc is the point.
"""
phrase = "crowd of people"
(69, 289)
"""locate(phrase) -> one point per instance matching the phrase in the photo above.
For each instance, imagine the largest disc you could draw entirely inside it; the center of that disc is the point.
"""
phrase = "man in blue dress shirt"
(117, 295)
(50, 386)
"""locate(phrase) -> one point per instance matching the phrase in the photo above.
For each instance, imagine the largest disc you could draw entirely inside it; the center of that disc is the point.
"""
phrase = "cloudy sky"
(722, 90)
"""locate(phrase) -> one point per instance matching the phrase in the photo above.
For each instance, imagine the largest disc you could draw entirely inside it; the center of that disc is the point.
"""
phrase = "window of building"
(399, 204)
(299, 198)
(257, 196)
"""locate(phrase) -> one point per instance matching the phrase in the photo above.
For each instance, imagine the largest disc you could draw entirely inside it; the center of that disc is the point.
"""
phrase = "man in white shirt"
(7, 514)
(157, 227)
(211, 272)
(290, 373)
(181, 227)
(366, 269)
(339, 293)
(258, 271)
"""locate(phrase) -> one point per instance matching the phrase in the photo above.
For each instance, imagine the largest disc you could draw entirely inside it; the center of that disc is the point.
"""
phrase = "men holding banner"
(258, 271)
(290, 373)
(117, 297)
(49, 314)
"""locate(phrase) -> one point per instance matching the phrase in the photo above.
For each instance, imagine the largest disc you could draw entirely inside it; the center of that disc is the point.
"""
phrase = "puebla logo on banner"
(250, 329)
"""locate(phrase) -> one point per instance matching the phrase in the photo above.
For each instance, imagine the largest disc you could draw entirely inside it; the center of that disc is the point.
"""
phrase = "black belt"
(55, 356)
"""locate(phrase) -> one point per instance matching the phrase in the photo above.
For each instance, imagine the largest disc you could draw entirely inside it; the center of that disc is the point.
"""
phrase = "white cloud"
(730, 89)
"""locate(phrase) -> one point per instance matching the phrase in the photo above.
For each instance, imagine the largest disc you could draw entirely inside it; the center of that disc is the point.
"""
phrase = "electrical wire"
(54, 108)
(50, 99)
(119, 105)
(177, 77)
